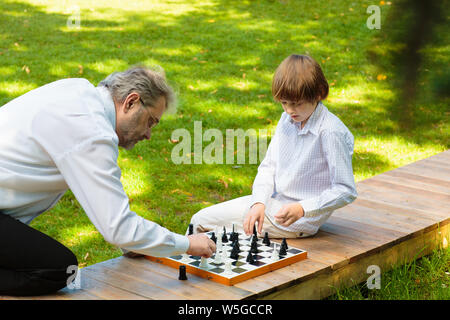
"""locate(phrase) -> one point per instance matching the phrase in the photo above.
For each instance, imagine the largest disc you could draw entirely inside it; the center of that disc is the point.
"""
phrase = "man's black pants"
(31, 263)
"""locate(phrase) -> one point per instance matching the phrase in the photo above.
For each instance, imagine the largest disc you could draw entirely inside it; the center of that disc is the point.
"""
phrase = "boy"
(307, 171)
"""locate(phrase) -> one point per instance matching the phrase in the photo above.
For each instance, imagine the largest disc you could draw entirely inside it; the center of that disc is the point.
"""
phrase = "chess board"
(241, 270)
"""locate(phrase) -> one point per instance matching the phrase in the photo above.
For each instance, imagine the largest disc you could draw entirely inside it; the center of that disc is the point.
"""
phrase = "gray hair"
(150, 84)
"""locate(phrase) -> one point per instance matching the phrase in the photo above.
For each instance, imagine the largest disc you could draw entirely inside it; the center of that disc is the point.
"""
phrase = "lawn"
(220, 56)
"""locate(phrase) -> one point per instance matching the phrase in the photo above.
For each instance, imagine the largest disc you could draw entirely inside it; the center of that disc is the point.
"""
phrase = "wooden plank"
(399, 198)
(443, 198)
(431, 164)
(397, 221)
(439, 162)
(415, 215)
(425, 172)
(136, 281)
(416, 181)
(90, 289)
(358, 231)
(194, 283)
(263, 285)
(325, 284)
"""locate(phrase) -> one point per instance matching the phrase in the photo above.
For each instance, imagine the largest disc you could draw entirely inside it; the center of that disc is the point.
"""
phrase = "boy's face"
(299, 110)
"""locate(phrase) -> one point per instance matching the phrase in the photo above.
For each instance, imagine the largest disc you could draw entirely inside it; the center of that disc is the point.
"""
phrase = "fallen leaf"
(86, 256)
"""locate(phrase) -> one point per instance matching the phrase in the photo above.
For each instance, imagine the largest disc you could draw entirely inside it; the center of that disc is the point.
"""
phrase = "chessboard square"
(217, 270)
(239, 270)
(195, 263)
(176, 257)
(258, 257)
(267, 260)
(217, 264)
(195, 257)
(259, 263)
(294, 251)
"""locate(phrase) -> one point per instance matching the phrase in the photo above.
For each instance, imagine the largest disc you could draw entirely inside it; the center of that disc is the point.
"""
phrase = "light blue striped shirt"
(312, 165)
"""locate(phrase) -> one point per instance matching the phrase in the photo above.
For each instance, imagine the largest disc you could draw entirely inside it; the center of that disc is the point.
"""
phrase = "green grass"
(220, 56)
(425, 278)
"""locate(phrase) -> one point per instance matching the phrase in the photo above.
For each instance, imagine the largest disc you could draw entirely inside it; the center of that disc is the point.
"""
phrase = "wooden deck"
(398, 216)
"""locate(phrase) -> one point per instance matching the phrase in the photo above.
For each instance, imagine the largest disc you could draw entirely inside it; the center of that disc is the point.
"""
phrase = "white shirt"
(62, 135)
(312, 165)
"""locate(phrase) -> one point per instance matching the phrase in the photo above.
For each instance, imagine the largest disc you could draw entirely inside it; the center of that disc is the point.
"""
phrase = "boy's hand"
(255, 214)
(289, 213)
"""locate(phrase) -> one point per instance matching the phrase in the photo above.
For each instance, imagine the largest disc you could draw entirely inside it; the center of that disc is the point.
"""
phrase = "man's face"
(134, 122)
(299, 110)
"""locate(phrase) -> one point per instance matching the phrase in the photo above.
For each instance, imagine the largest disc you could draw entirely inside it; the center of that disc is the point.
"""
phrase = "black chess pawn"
(182, 275)
(254, 230)
(282, 251)
(213, 237)
(266, 239)
(284, 244)
(191, 229)
(250, 258)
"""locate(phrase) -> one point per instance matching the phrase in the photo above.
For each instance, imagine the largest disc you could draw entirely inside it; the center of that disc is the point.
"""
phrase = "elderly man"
(66, 135)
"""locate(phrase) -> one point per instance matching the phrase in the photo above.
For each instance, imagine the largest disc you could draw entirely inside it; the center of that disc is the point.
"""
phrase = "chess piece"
(282, 251)
(274, 256)
(213, 237)
(185, 258)
(218, 258)
(266, 239)
(224, 236)
(234, 253)
(233, 234)
(254, 230)
(250, 258)
(224, 255)
(182, 275)
(191, 229)
(236, 245)
(254, 246)
(204, 263)
(228, 267)
(284, 244)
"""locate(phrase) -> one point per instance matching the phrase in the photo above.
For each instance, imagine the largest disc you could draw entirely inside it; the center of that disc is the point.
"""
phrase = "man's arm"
(92, 173)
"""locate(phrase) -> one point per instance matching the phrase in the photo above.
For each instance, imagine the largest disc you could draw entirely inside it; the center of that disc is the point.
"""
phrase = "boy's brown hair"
(299, 78)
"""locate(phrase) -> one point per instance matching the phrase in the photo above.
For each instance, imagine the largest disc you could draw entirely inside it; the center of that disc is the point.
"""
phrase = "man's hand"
(289, 213)
(201, 245)
(255, 214)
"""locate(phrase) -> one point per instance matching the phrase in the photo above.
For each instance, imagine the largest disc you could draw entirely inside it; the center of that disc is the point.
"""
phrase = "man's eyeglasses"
(155, 120)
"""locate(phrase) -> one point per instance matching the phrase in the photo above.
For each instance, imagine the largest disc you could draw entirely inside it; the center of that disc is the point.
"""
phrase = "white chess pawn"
(228, 267)
(275, 256)
(204, 263)
(185, 257)
(218, 257)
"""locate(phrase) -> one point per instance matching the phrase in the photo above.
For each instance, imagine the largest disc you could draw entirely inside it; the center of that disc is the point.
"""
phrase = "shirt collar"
(313, 122)
(108, 105)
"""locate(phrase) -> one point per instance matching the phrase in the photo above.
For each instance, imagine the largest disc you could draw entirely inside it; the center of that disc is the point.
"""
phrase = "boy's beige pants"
(233, 212)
